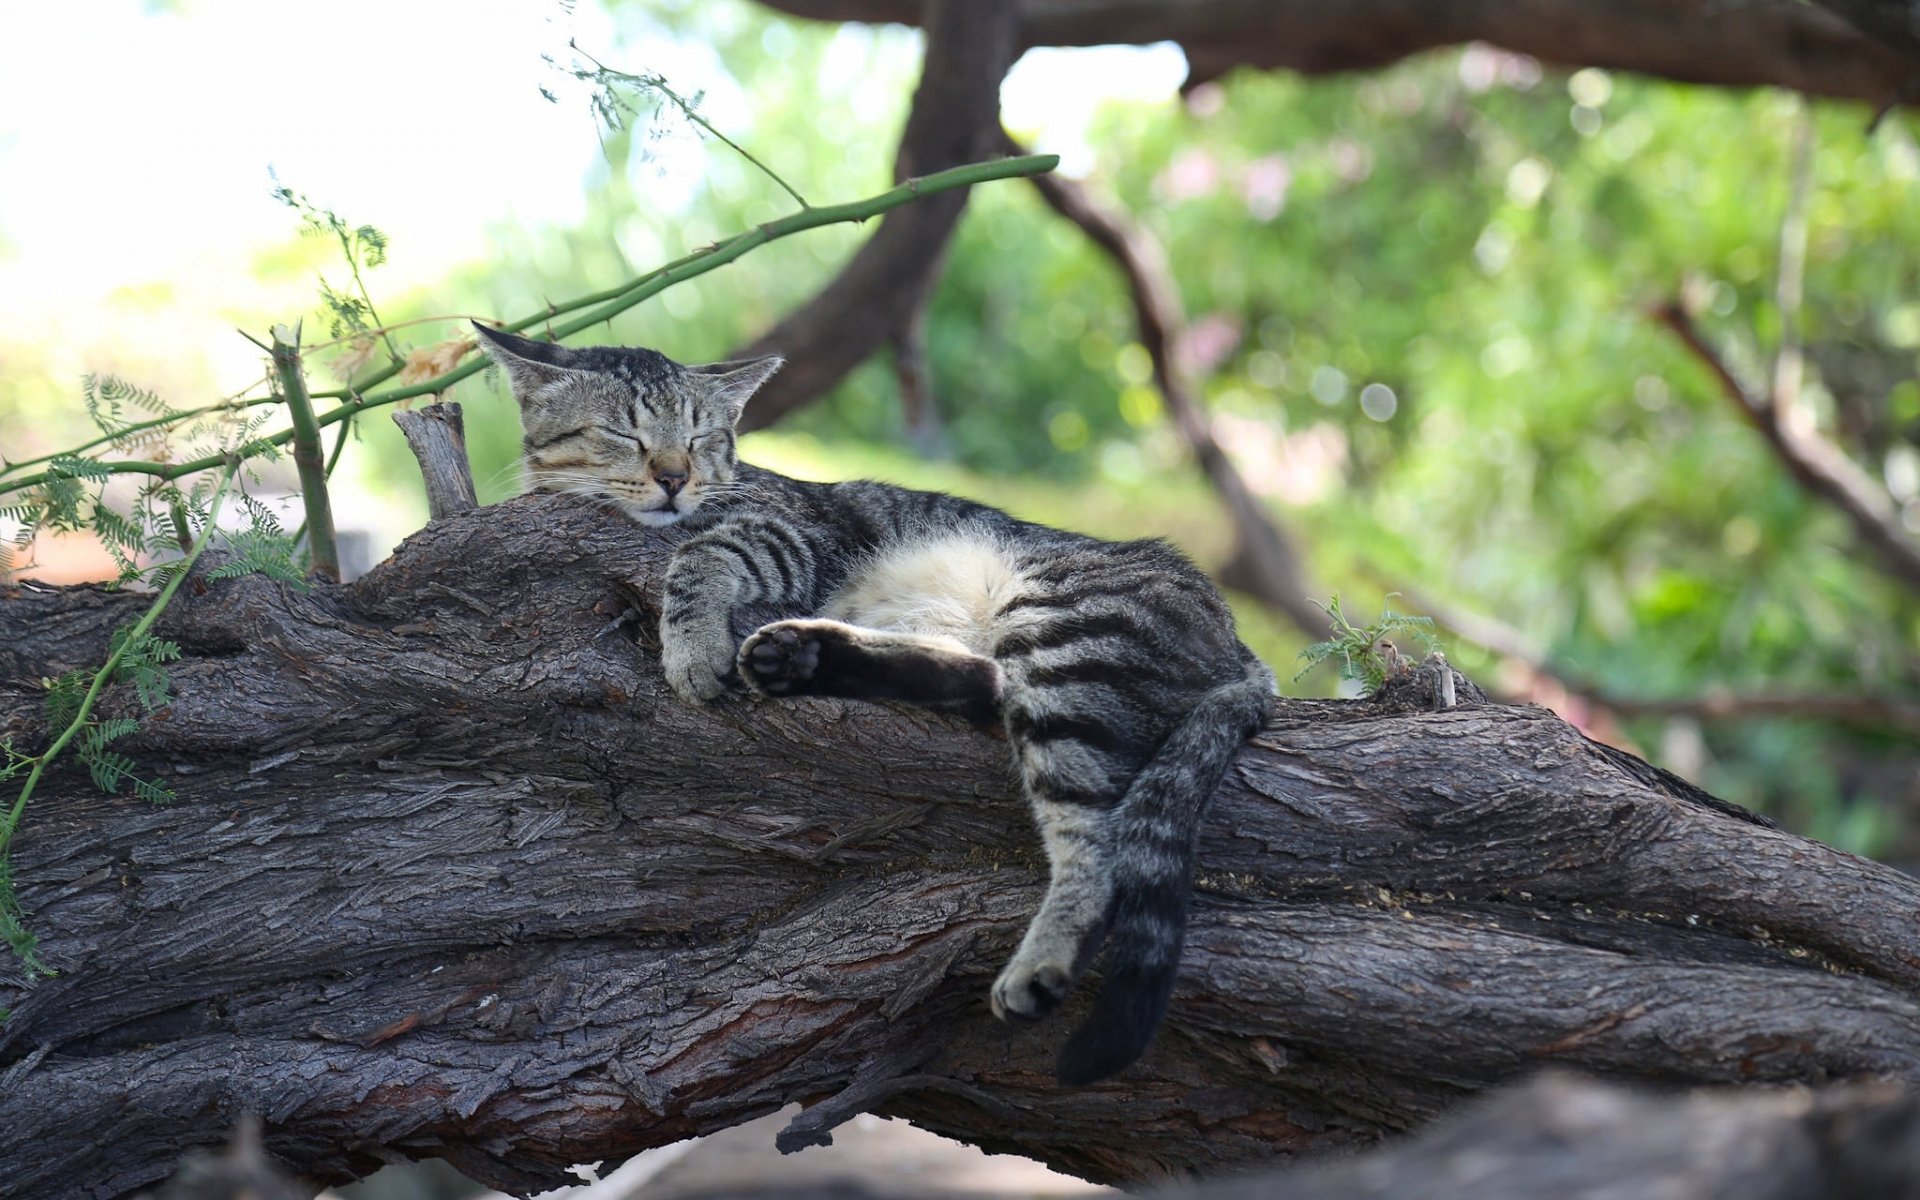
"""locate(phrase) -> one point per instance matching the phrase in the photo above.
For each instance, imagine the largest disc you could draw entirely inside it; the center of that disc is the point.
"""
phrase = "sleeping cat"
(1113, 666)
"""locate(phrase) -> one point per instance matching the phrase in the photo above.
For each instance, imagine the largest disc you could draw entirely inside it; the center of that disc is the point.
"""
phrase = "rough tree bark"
(1554, 1136)
(1780, 43)
(452, 875)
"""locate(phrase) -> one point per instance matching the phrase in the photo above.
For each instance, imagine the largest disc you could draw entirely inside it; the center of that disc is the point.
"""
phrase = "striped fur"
(1112, 666)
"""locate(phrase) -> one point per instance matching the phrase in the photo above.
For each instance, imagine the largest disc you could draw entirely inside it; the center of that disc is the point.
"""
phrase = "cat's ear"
(734, 383)
(529, 365)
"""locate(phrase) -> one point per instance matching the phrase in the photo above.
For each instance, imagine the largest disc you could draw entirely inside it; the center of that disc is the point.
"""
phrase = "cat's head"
(627, 425)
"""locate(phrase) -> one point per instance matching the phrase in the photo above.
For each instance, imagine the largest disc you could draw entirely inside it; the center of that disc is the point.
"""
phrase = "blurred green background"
(1420, 299)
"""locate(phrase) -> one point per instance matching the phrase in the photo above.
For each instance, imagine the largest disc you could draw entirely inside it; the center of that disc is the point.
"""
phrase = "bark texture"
(1555, 1136)
(1781, 43)
(437, 435)
(451, 874)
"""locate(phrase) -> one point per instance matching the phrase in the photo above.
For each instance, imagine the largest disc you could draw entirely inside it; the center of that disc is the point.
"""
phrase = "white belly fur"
(947, 585)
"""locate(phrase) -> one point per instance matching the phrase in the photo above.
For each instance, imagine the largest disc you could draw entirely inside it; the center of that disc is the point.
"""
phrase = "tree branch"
(452, 874)
(1580, 700)
(1265, 563)
(1819, 466)
(1896, 23)
(955, 113)
(308, 456)
(919, 410)
(437, 435)
(1888, 713)
(1779, 43)
(1555, 1136)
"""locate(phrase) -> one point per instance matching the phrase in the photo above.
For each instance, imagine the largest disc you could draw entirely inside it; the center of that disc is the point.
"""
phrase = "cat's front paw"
(697, 664)
(780, 658)
(1029, 989)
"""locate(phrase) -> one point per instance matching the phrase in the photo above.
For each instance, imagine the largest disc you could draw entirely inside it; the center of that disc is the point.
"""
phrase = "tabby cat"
(1113, 666)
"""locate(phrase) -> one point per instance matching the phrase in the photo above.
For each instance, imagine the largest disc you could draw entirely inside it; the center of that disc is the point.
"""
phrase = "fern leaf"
(64, 695)
(151, 790)
(263, 519)
(119, 391)
(108, 768)
(78, 468)
(372, 245)
(101, 408)
(24, 512)
(151, 685)
(14, 933)
(111, 728)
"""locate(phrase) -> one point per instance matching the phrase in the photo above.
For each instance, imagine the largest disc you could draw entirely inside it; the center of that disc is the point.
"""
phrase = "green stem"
(617, 300)
(333, 460)
(236, 402)
(339, 445)
(105, 673)
(307, 454)
(656, 83)
(353, 264)
(702, 122)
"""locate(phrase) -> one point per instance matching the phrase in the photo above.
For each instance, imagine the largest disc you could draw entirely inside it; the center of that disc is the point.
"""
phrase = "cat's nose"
(672, 481)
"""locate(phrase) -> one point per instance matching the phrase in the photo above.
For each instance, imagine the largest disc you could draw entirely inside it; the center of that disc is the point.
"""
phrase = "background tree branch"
(452, 875)
(1265, 563)
(1818, 465)
(1581, 700)
(954, 119)
(1780, 43)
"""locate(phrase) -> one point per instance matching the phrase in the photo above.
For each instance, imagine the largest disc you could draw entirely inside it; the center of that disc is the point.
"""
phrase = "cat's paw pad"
(1024, 993)
(778, 657)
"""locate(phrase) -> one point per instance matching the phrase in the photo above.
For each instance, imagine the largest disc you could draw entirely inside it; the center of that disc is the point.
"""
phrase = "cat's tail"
(1153, 837)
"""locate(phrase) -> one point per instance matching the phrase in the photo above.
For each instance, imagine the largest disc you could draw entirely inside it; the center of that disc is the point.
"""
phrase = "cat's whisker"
(514, 470)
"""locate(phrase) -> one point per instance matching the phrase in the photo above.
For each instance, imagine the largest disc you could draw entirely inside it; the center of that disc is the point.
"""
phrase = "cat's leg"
(820, 657)
(1073, 918)
(1076, 758)
(746, 560)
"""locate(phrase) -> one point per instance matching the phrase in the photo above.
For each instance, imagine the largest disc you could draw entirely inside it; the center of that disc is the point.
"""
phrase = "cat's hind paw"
(779, 659)
(1029, 992)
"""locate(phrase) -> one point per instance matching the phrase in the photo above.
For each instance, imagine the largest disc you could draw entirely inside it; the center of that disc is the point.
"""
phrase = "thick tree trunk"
(451, 874)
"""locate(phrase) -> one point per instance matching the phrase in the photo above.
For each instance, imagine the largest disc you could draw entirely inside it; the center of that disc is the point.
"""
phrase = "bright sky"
(135, 139)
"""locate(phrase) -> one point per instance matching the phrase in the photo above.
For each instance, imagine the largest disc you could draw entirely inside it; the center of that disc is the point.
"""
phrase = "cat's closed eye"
(623, 436)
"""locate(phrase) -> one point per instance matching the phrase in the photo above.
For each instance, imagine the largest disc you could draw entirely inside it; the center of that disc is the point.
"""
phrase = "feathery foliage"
(1359, 649)
(617, 99)
(349, 314)
(135, 658)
